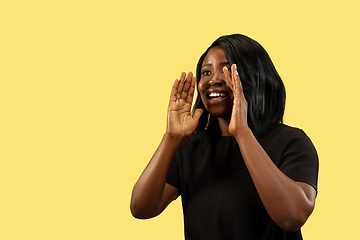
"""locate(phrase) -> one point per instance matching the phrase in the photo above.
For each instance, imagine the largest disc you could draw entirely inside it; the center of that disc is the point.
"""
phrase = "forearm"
(285, 200)
(148, 190)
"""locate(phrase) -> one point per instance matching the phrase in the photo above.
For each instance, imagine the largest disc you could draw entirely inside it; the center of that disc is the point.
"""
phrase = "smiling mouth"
(216, 97)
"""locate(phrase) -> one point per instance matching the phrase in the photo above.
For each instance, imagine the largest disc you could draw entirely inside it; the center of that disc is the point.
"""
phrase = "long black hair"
(263, 88)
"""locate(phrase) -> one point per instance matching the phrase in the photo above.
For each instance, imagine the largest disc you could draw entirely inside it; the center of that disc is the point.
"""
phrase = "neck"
(224, 126)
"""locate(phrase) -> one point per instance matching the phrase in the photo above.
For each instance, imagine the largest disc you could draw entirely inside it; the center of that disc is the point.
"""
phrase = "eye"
(206, 73)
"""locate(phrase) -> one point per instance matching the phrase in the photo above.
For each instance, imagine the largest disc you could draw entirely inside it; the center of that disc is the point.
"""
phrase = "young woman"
(241, 173)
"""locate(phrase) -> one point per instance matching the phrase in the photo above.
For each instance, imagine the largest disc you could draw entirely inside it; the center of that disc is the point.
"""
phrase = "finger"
(188, 82)
(236, 77)
(187, 85)
(228, 77)
(190, 93)
(181, 84)
(238, 90)
(174, 91)
(233, 78)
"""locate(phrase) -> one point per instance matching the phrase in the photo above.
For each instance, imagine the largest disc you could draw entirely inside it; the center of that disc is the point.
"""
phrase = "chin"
(220, 113)
(220, 110)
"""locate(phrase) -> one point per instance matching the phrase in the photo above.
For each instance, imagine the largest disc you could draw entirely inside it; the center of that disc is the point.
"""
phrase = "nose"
(217, 79)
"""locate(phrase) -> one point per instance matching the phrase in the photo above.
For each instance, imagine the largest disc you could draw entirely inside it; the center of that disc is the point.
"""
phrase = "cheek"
(202, 86)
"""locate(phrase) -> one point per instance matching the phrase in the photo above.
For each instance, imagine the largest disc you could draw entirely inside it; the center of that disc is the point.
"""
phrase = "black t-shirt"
(218, 195)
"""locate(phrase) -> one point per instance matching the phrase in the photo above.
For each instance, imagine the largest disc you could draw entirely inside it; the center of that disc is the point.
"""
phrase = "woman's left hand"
(288, 203)
(238, 122)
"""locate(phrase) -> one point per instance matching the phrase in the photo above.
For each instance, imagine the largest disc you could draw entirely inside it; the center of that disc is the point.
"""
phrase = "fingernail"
(235, 66)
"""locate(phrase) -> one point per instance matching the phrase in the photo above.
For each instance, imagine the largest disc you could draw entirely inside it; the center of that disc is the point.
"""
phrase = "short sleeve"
(300, 160)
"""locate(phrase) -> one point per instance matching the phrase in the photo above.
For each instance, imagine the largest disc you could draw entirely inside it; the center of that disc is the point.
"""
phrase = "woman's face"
(213, 87)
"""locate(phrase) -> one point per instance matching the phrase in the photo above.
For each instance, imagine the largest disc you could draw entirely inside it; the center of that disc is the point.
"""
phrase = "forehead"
(214, 55)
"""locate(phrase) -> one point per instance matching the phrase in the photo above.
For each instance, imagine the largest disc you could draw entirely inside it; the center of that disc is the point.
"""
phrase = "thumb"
(197, 114)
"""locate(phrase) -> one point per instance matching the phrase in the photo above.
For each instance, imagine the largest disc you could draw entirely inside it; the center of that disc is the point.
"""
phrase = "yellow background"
(84, 91)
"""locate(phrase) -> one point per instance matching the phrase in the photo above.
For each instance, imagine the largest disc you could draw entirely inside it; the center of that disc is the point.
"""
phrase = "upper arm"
(300, 163)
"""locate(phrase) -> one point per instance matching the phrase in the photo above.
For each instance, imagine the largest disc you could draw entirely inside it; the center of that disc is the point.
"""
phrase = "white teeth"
(217, 95)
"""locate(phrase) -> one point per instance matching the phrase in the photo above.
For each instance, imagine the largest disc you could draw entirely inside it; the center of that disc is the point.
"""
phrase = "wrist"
(243, 132)
(174, 138)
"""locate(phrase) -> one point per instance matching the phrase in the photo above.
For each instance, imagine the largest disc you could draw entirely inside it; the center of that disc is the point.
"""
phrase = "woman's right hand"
(151, 194)
(180, 123)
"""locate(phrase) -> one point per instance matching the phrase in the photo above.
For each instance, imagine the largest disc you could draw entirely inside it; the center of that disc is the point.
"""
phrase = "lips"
(215, 96)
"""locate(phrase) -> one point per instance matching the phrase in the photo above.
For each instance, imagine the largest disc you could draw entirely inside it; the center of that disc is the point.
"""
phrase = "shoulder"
(284, 133)
(294, 153)
(289, 142)
(295, 135)
(286, 129)
(284, 139)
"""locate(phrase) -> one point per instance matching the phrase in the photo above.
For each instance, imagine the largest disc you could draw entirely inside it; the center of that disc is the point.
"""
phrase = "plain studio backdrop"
(84, 93)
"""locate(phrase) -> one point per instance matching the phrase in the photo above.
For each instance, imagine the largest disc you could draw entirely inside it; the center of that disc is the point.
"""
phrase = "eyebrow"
(210, 64)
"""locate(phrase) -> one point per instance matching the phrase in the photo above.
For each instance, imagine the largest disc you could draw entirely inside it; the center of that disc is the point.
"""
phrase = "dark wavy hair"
(263, 88)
